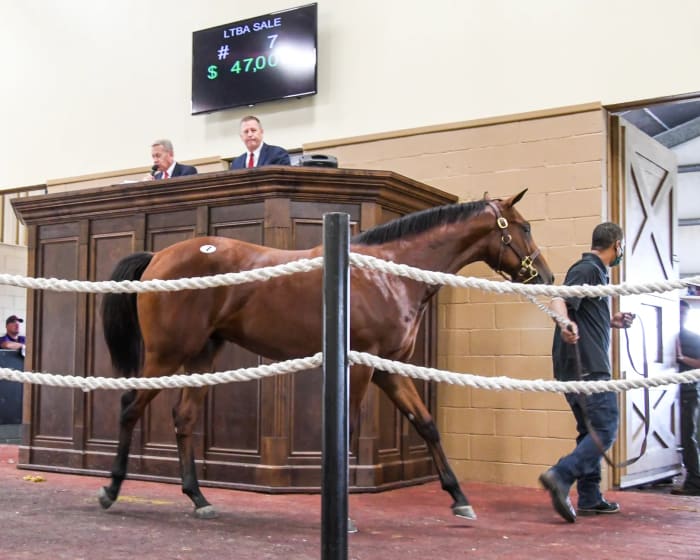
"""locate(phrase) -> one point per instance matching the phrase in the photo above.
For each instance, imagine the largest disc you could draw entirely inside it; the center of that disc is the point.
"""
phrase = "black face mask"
(620, 252)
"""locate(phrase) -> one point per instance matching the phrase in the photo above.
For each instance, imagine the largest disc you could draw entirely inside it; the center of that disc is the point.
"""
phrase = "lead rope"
(647, 399)
(586, 419)
(565, 323)
(582, 402)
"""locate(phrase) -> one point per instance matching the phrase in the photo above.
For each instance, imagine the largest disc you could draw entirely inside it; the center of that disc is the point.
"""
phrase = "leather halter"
(527, 271)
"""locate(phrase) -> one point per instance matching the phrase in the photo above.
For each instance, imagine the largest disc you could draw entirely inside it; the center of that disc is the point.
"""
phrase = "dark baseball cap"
(12, 319)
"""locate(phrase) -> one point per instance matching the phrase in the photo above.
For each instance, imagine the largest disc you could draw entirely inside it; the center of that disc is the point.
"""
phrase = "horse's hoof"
(467, 512)
(352, 528)
(105, 500)
(206, 512)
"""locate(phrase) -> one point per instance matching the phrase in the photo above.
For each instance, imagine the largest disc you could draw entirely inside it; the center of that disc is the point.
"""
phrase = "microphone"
(154, 169)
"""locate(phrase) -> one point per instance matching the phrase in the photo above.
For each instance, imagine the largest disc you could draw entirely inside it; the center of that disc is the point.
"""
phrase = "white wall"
(88, 84)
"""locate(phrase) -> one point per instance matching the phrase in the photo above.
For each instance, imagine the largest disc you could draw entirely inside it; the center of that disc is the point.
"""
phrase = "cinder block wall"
(559, 155)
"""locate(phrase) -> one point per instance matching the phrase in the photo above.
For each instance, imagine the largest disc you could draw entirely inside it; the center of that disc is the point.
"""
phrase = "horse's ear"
(513, 201)
(486, 195)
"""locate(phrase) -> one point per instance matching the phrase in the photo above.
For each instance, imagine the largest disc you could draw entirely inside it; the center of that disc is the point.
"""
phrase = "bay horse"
(158, 332)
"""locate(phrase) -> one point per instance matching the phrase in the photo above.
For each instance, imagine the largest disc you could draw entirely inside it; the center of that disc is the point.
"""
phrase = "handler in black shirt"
(590, 328)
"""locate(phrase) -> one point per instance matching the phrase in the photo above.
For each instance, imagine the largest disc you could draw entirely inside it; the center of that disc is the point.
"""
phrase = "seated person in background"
(164, 164)
(258, 153)
(12, 339)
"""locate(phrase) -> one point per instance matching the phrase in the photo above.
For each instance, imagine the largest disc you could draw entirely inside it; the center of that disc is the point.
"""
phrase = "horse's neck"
(447, 248)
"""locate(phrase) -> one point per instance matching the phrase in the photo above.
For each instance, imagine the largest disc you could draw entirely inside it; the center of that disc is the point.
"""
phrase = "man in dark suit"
(164, 164)
(258, 153)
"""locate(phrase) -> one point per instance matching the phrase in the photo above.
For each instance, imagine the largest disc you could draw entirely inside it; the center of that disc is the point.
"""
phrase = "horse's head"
(515, 252)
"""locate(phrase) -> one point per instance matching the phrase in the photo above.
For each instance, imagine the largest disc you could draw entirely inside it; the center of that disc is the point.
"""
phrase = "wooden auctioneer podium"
(262, 435)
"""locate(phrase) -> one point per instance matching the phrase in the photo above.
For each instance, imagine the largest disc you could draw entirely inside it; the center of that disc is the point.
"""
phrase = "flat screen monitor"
(246, 62)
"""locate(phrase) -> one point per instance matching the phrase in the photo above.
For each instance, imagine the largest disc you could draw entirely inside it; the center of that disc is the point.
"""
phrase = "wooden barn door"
(644, 188)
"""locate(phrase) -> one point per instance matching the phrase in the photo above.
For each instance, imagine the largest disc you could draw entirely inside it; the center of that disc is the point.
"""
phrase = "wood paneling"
(262, 434)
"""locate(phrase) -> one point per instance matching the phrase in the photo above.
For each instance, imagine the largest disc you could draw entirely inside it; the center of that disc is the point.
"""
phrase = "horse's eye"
(526, 228)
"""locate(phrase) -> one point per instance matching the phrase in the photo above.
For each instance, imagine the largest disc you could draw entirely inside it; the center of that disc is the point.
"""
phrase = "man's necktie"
(251, 162)
(165, 175)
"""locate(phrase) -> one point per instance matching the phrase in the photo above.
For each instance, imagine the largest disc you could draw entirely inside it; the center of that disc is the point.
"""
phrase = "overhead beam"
(679, 134)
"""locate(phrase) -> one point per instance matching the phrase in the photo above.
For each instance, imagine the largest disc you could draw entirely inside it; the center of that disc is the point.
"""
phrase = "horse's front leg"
(185, 414)
(404, 395)
(133, 404)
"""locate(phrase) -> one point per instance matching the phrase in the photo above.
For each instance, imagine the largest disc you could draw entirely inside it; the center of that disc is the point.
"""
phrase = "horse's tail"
(120, 321)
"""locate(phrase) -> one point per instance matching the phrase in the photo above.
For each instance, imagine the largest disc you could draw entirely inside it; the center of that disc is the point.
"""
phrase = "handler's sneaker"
(602, 507)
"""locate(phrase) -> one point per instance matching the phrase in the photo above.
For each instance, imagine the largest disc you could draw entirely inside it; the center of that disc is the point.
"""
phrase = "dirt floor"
(57, 517)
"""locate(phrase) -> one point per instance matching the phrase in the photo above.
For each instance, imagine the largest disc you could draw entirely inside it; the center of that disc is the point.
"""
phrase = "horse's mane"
(419, 222)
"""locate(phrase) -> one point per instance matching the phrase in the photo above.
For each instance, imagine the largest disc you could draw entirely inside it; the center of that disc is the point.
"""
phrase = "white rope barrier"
(354, 358)
(356, 259)
(135, 286)
(506, 383)
(500, 287)
(163, 382)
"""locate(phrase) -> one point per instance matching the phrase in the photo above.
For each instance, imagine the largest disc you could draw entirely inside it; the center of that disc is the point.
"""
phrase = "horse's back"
(206, 256)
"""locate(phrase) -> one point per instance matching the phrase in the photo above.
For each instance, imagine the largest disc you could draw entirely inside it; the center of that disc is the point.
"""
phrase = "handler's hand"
(570, 334)
(622, 320)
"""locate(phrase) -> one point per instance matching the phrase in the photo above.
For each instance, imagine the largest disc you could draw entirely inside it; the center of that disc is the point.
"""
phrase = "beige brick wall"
(502, 436)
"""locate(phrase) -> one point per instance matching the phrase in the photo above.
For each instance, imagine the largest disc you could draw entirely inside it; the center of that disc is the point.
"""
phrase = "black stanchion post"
(336, 340)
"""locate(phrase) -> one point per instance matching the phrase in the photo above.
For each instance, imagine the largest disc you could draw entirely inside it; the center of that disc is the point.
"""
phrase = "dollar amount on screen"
(257, 64)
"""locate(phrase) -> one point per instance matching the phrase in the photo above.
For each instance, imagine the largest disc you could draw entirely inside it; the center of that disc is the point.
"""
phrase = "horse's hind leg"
(403, 394)
(360, 377)
(185, 415)
(133, 404)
